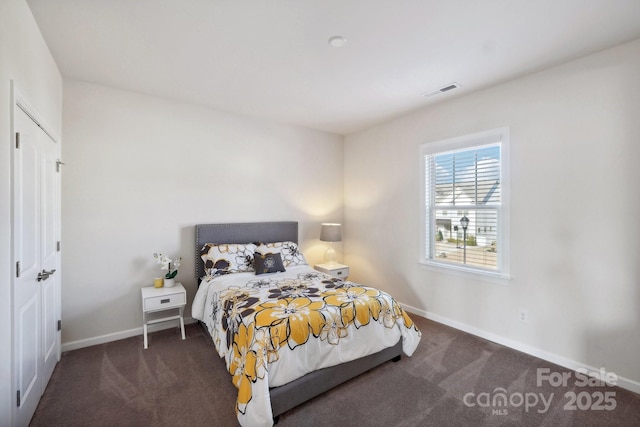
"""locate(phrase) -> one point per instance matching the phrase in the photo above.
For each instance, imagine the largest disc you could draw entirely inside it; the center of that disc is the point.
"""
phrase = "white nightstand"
(339, 271)
(160, 299)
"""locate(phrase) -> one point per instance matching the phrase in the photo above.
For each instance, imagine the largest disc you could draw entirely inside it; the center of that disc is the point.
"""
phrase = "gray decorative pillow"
(289, 252)
(267, 263)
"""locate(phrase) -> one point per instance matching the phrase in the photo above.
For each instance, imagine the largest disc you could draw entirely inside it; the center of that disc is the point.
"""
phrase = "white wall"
(24, 58)
(141, 172)
(575, 235)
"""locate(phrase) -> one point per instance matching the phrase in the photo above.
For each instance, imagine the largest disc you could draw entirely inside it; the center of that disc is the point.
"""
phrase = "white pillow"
(227, 258)
(289, 252)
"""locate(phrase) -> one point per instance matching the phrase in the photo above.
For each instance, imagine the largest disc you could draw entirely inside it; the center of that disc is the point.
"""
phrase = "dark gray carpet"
(185, 383)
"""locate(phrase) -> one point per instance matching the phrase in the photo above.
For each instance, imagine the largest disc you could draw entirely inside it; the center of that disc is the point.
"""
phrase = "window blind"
(464, 183)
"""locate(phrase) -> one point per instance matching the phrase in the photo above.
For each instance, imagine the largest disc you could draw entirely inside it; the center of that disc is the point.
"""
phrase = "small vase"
(169, 283)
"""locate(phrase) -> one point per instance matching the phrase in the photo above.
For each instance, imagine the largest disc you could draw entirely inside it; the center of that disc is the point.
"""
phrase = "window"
(466, 199)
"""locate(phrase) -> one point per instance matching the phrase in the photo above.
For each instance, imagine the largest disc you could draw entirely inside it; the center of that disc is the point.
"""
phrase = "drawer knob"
(163, 301)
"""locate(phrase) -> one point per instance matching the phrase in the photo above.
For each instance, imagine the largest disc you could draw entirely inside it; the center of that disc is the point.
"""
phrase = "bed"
(278, 362)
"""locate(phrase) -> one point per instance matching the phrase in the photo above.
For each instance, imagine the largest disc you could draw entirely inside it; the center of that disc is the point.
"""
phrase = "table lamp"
(330, 232)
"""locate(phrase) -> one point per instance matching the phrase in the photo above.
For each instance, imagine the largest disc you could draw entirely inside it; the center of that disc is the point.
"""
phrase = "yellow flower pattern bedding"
(272, 329)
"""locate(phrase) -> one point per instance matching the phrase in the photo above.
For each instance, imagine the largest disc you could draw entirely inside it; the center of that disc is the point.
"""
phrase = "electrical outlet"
(523, 315)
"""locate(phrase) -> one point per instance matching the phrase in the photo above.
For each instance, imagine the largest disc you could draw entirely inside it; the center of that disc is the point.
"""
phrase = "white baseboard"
(115, 336)
(622, 382)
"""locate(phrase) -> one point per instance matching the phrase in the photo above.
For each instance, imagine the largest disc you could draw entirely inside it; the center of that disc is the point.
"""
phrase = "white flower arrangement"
(168, 264)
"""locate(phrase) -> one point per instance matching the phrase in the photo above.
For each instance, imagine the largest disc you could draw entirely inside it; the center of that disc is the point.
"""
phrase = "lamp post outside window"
(464, 222)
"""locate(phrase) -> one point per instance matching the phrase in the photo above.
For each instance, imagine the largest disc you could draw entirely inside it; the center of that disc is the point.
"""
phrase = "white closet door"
(36, 298)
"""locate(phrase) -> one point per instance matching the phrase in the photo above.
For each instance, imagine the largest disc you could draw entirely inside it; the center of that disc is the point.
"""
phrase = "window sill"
(489, 276)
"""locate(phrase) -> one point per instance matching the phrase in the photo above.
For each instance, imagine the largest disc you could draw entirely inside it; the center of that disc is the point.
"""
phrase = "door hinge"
(17, 268)
(58, 164)
(18, 398)
(17, 139)
(58, 245)
(59, 325)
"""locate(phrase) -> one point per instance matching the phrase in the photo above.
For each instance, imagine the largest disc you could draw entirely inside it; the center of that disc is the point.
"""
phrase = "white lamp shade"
(330, 232)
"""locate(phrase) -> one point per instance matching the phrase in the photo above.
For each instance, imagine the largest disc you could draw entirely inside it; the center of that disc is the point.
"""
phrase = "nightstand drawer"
(340, 272)
(164, 301)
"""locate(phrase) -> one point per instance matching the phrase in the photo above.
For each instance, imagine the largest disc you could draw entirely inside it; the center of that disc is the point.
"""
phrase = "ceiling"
(271, 59)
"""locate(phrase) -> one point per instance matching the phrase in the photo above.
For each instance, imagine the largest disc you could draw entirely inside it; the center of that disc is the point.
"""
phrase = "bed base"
(313, 384)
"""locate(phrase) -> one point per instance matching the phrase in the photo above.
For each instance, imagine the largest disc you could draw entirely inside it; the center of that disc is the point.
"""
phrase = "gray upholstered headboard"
(247, 232)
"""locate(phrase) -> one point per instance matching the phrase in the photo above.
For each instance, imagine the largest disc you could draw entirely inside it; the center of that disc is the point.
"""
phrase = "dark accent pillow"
(267, 263)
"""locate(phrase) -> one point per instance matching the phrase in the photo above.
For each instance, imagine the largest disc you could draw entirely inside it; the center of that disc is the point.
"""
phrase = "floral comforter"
(274, 328)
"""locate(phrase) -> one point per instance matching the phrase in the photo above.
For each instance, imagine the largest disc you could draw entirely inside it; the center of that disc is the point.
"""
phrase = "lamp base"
(330, 256)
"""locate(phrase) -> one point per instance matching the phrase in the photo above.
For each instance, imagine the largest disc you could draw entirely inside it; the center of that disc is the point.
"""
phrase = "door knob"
(44, 274)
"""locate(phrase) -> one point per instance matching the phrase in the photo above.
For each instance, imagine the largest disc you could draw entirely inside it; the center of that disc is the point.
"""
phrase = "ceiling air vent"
(441, 90)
